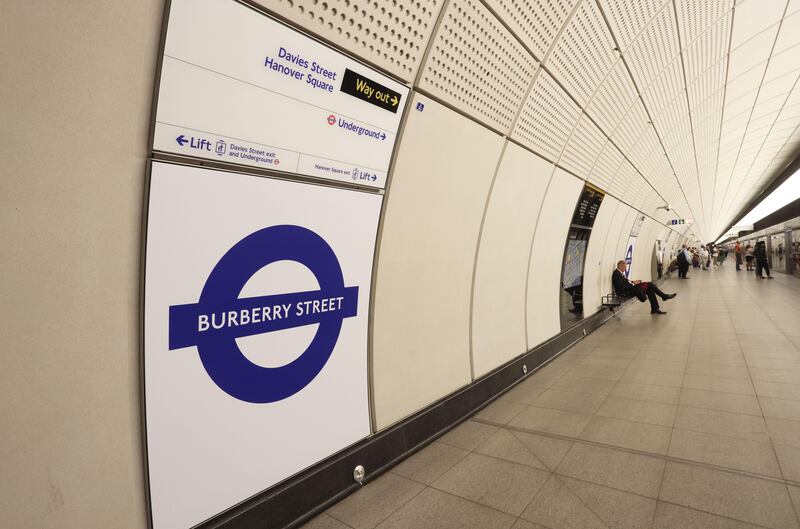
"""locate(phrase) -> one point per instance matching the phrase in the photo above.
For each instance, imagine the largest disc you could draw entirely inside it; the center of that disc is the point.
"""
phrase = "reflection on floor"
(684, 421)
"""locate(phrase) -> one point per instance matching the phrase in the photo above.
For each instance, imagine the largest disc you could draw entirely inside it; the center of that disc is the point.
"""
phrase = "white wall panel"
(498, 305)
(643, 253)
(544, 275)
(610, 248)
(427, 249)
(594, 268)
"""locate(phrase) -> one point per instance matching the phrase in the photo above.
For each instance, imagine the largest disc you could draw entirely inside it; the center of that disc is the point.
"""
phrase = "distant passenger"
(642, 290)
(762, 263)
(737, 252)
(684, 258)
(748, 257)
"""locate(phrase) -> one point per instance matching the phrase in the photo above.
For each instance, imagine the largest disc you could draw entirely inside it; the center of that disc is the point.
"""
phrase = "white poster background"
(216, 93)
(208, 451)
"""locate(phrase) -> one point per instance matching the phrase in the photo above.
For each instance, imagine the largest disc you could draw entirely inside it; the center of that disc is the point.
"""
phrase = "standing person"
(684, 258)
(762, 263)
(641, 289)
(703, 258)
(737, 250)
(748, 257)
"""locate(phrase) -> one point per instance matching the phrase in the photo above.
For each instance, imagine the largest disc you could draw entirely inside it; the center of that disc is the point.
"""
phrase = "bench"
(613, 301)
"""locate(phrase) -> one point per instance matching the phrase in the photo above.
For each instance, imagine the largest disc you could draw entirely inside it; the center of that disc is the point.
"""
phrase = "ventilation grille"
(476, 65)
(390, 33)
(606, 166)
(547, 119)
(583, 148)
(584, 54)
(628, 17)
(535, 22)
(612, 101)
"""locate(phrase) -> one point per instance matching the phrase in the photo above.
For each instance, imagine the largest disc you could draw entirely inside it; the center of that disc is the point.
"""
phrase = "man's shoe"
(658, 311)
(669, 296)
(770, 277)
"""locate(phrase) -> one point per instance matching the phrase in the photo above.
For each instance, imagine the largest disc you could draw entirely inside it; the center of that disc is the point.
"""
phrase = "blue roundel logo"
(220, 315)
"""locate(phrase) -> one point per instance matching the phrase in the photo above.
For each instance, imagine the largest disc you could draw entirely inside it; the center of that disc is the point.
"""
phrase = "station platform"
(689, 420)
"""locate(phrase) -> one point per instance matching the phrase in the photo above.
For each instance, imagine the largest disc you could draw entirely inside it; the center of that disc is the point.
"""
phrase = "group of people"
(755, 258)
(695, 257)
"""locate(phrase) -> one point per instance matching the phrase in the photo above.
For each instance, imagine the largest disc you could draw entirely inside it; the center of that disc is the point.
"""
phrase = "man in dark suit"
(642, 290)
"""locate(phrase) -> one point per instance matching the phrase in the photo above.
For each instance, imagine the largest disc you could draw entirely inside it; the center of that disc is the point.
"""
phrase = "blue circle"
(221, 356)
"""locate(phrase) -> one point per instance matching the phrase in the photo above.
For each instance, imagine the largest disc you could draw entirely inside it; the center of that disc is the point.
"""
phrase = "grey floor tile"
(525, 524)
(740, 454)
(505, 486)
(780, 408)
(715, 400)
(558, 399)
(657, 378)
(506, 445)
(430, 463)
(549, 450)
(650, 393)
(323, 521)
(615, 508)
(618, 469)
(786, 376)
(736, 496)
(698, 368)
(524, 393)
(606, 361)
(794, 494)
(378, 499)
(722, 423)
(626, 434)
(773, 363)
(434, 509)
(551, 421)
(468, 435)
(789, 459)
(666, 366)
(595, 386)
(777, 390)
(783, 431)
(669, 516)
(500, 411)
(717, 359)
(725, 385)
(614, 352)
(638, 411)
(557, 507)
(601, 372)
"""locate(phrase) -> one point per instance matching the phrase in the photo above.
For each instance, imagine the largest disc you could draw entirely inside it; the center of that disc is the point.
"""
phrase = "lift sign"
(220, 316)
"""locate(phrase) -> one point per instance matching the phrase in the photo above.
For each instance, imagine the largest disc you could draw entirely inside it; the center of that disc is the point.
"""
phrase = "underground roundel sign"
(220, 315)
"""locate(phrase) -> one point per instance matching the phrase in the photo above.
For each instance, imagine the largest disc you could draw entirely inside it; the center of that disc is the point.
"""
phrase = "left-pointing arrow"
(181, 140)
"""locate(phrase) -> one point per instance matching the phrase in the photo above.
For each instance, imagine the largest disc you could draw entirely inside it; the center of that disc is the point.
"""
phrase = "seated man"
(642, 290)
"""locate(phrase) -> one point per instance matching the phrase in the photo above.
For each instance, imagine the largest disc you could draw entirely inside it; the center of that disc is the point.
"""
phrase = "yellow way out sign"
(370, 91)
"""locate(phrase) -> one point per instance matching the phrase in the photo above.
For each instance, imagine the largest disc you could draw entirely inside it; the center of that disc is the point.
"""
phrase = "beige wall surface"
(433, 213)
(75, 100)
(595, 266)
(498, 304)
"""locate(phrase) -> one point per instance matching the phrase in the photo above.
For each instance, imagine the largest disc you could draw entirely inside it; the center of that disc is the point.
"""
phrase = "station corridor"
(689, 420)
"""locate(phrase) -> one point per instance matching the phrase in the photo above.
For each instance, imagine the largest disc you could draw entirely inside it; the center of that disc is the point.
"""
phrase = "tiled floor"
(684, 421)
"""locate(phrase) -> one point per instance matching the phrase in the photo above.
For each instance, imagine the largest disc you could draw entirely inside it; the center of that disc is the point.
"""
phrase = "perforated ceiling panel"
(584, 54)
(547, 118)
(389, 33)
(535, 22)
(687, 102)
(477, 65)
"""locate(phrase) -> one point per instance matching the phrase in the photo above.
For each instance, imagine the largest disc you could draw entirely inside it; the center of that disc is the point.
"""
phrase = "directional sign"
(238, 86)
(255, 333)
(366, 89)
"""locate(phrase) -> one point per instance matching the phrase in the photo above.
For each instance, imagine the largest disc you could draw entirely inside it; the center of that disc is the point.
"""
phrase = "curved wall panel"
(424, 276)
(594, 268)
(498, 304)
(544, 274)
(643, 253)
